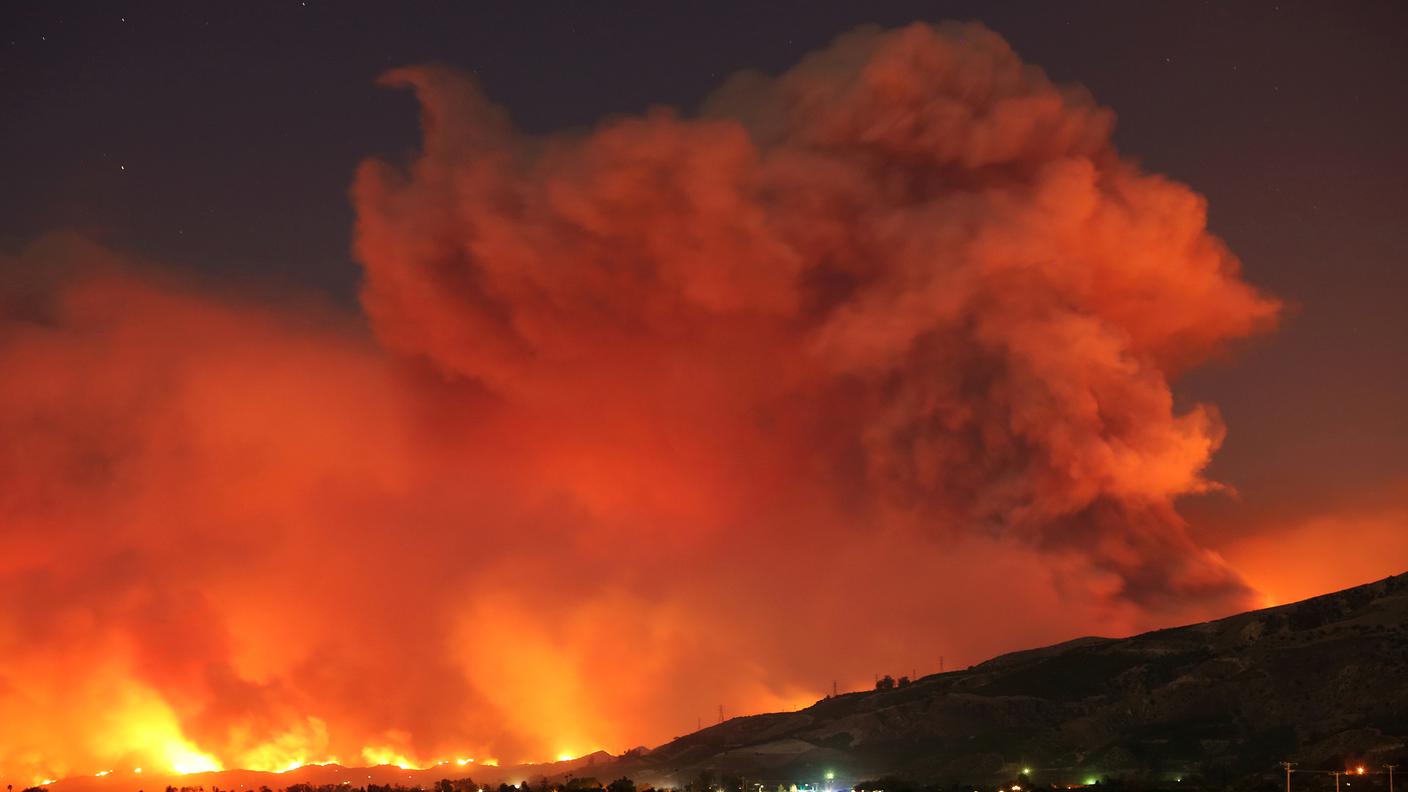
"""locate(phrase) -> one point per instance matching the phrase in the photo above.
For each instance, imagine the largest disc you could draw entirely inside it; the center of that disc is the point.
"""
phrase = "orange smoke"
(683, 411)
(1345, 548)
(911, 267)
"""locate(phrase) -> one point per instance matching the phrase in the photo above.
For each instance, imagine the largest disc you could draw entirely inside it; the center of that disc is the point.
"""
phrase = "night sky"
(219, 142)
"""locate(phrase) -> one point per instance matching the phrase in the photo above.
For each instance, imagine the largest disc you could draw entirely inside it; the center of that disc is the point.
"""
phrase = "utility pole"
(1390, 776)
(1289, 766)
(1337, 779)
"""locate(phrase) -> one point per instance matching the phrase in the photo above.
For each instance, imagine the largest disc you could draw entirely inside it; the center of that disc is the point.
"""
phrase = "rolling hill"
(1323, 681)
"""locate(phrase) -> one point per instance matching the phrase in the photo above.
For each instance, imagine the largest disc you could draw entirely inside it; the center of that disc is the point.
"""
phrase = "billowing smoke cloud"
(682, 411)
(911, 262)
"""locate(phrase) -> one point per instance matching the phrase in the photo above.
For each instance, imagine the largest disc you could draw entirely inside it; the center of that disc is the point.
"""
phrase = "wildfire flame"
(388, 756)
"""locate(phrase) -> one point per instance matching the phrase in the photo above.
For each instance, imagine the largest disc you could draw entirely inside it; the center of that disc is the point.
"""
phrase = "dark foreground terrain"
(1323, 682)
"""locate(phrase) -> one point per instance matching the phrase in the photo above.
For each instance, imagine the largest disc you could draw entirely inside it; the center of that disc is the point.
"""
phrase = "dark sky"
(222, 137)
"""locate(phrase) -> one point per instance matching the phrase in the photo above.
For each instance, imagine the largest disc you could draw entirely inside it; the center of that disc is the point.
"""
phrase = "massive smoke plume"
(684, 410)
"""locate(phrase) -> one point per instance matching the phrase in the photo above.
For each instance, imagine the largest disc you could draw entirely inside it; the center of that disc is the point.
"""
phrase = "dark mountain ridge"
(1323, 682)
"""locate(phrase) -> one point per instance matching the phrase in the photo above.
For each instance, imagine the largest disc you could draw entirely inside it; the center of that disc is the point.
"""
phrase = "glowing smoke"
(911, 261)
(655, 412)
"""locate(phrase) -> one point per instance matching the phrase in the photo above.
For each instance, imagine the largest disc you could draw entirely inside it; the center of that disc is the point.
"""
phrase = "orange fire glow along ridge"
(181, 760)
